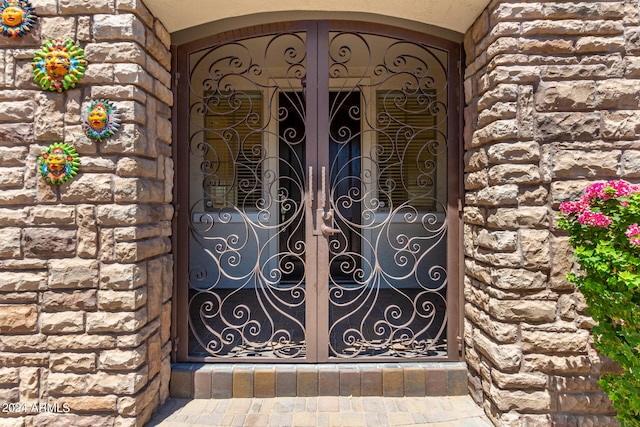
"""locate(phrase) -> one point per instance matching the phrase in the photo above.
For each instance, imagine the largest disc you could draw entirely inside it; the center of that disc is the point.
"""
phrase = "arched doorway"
(318, 195)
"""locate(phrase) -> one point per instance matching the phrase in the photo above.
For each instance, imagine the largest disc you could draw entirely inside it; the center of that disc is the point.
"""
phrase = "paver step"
(223, 381)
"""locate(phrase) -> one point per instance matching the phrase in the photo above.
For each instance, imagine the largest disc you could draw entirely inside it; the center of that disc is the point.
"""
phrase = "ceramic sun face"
(58, 65)
(59, 163)
(18, 17)
(100, 120)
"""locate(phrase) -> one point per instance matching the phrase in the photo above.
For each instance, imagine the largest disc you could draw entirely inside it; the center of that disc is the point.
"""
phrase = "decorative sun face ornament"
(58, 65)
(18, 17)
(100, 120)
(59, 163)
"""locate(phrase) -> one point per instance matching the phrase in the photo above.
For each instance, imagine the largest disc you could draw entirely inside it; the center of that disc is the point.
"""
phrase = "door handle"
(327, 217)
(324, 219)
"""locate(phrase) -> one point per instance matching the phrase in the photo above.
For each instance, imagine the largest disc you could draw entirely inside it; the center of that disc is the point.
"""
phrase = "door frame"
(316, 124)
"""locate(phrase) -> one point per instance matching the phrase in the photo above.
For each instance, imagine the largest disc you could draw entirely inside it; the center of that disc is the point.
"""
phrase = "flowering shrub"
(604, 232)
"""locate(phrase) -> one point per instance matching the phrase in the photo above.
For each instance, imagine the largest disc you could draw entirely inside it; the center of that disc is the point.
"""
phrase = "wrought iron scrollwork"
(383, 202)
(246, 280)
(388, 297)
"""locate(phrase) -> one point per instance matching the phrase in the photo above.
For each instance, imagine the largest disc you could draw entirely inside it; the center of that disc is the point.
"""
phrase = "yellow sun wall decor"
(58, 65)
(18, 18)
(100, 120)
(59, 163)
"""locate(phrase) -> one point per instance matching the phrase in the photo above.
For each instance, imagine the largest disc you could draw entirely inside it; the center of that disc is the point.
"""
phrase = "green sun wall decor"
(59, 163)
(18, 17)
(100, 120)
(58, 65)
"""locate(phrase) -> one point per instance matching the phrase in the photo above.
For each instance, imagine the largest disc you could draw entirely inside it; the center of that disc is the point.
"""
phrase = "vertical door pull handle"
(324, 219)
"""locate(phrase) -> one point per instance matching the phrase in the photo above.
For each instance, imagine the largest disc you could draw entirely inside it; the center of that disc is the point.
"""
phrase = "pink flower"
(578, 206)
(632, 230)
(610, 189)
(633, 233)
(568, 207)
(625, 204)
(594, 219)
(595, 191)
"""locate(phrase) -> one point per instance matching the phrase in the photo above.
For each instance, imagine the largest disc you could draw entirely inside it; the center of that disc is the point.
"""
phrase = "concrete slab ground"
(327, 411)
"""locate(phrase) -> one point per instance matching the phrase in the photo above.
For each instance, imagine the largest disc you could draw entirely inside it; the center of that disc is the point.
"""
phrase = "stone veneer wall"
(85, 270)
(553, 103)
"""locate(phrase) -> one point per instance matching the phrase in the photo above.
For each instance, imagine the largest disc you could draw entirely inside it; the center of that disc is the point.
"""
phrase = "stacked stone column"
(552, 104)
(85, 268)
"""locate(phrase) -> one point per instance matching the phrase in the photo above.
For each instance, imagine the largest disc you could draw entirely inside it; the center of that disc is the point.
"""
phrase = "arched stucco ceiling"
(454, 15)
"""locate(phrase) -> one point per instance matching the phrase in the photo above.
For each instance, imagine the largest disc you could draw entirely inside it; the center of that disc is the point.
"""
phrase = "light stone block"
(128, 252)
(10, 242)
(13, 156)
(122, 300)
(621, 124)
(125, 26)
(133, 74)
(595, 45)
(128, 190)
(66, 322)
(567, 126)
(48, 116)
(129, 234)
(506, 357)
(497, 240)
(98, 164)
(130, 139)
(99, 73)
(53, 215)
(535, 248)
(102, 383)
(9, 376)
(59, 27)
(17, 133)
(507, 400)
(73, 274)
(566, 96)
(137, 167)
(629, 164)
(59, 383)
(64, 300)
(72, 7)
(557, 342)
(523, 311)
(89, 188)
(574, 164)
(23, 281)
(17, 111)
(17, 319)
(128, 92)
(122, 359)
(72, 362)
(117, 322)
(498, 195)
(137, 7)
(88, 404)
(123, 276)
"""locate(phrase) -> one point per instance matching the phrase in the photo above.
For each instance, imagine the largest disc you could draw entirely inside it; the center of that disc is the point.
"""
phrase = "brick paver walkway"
(329, 411)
